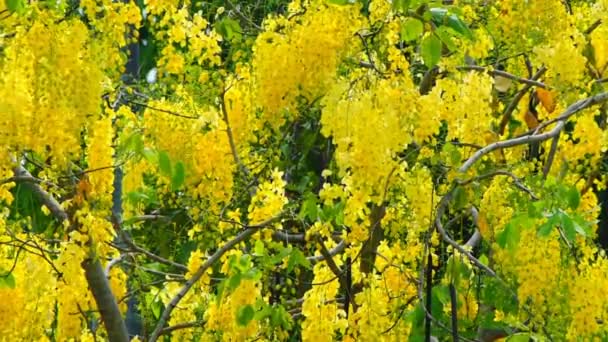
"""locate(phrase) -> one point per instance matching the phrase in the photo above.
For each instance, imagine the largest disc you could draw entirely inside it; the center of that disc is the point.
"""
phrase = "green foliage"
(411, 29)
(7, 279)
(430, 49)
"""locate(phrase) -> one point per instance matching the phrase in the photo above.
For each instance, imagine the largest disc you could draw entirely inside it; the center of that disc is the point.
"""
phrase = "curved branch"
(527, 139)
(531, 82)
(339, 248)
(242, 236)
(94, 272)
(440, 211)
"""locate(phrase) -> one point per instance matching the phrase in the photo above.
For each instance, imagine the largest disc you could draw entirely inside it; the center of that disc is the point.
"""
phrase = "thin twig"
(242, 236)
(551, 156)
(593, 26)
(160, 110)
(235, 154)
(506, 116)
(504, 74)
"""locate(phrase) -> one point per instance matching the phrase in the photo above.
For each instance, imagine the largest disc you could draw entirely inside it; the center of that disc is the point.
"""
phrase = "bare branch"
(235, 154)
(551, 156)
(506, 116)
(339, 248)
(242, 236)
(504, 74)
(94, 272)
(135, 248)
(440, 211)
(188, 325)
(49, 201)
(516, 181)
(593, 26)
(573, 109)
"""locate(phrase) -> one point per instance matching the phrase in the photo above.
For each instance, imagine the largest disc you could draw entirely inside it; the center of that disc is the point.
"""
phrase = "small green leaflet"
(509, 237)
(401, 5)
(7, 280)
(445, 34)
(430, 49)
(442, 17)
(15, 5)
(567, 226)
(164, 163)
(229, 28)
(573, 197)
(297, 258)
(411, 29)
(179, 176)
(546, 228)
(245, 314)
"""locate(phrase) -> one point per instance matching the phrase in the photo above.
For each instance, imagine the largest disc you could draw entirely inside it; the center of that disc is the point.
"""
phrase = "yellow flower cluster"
(268, 200)
(201, 144)
(189, 42)
(311, 46)
(72, 293)
(99, 157)
(322, 315)
(355, 117)
(465, 106)
(372, 318)
(29, 308)
(40, 107)
(221, 315)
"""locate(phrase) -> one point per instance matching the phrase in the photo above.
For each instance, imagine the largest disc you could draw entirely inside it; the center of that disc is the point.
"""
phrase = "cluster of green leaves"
(557, 209)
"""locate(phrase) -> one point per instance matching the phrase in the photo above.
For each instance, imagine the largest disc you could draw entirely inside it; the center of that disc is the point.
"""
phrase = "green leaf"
(568, 227)
(259, 248)
(339, 2)
(229, 28)
(150, 155)
(245, 314)
(430, 49)
(459, 197)
(545, 229)
(442, 17)
(573, 197)
(234, 281)
(509, 237)
(15, 5)
(309, 208)
(582, 224)
(164, 162)
(156, 307)
(411, 29)
(7, 280)
(401, 5)
(446, 37)
(179, 176)
(297, 258)
(520, 337)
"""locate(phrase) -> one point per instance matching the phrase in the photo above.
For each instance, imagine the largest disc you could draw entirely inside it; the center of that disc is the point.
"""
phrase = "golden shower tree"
(314, 170)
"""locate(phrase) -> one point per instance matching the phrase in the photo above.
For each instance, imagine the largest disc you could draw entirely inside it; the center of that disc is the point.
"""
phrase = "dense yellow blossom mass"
(316, 170)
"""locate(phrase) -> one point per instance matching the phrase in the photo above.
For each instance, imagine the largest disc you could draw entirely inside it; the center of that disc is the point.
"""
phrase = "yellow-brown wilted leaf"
(482, 225)
(531, 120)
(547, 98)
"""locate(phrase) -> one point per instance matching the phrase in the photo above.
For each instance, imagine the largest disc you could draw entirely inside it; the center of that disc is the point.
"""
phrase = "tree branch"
(551, 156)
(527, 139)
(531, 82)
(94, 273)
(235, 154)
(242, 236)
(506, 116)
